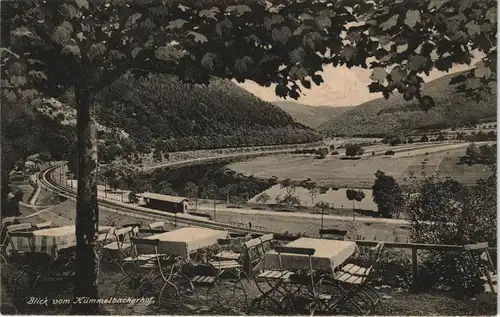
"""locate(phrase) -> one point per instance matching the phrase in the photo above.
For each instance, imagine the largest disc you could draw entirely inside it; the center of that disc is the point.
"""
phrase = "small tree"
(424, 138)
(263, 198)
(410, 141)
(132, 197)
(373, 153)
(354, 150)
(441, 138)
(472, 153)
(289, 186)
(387, 194)
(355, 195)
(312, 189)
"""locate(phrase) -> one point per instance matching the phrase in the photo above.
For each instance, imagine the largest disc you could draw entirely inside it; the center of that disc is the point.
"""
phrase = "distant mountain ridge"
(311, 116)
(384, 116)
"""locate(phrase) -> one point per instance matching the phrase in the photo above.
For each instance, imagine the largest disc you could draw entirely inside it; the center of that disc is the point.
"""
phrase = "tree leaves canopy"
(94, 42)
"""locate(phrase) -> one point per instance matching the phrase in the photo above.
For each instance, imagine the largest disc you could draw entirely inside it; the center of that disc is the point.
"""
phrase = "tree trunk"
(87, 214)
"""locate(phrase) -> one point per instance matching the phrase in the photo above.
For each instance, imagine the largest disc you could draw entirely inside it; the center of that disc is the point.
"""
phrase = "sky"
(342, 87)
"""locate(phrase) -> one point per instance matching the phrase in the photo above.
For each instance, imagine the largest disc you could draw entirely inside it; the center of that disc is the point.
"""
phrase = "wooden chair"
(309, 279)
(333, 234)
(483, 265)
(353, 280)
(255, 249)
(156, 226)
(43, 225)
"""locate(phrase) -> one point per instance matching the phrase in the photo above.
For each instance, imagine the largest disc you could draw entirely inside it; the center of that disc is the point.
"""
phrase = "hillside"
(381, 116)
(159, 111)
(309, 115)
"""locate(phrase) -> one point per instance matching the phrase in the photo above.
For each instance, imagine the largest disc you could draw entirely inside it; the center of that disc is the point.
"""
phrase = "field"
(340, 173)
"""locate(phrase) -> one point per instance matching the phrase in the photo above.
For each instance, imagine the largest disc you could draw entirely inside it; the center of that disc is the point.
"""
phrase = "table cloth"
(183, 241)
(329, 254)
(49, 240)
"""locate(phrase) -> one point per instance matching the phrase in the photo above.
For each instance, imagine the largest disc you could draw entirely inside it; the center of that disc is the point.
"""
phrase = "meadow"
(337, 172)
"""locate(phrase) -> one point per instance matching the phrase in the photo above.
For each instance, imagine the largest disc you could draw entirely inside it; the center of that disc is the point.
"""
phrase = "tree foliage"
(445, 211)
(354, 150)
(387, 194)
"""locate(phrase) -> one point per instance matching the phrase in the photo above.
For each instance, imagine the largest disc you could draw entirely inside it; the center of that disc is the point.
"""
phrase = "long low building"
(173, 204)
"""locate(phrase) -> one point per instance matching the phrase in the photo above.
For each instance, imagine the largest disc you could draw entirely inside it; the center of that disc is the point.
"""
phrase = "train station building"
(166, 203)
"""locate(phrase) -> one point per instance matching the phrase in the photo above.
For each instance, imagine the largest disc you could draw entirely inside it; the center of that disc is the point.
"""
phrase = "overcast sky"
(342, 87)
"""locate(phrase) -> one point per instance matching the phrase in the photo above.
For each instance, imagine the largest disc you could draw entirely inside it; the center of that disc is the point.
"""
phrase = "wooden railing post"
(247, 262)
(414, 263)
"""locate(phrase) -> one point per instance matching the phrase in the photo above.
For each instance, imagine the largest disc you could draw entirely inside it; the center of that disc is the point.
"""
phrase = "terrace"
(217, 272)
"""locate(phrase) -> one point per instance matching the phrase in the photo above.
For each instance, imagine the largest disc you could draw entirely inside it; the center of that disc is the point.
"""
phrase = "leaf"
(491, 15)
(198, 38)
(416, 62)
(61, 35)
(281, 90)
(239, 9)
(82, 4)
(301, 29)
(132, 20)
(208, 61)
(473, 28)
(211, 13)
(401, 48)
(317, 79)
(242, 64)
(274, 19)
(348, 53)
(168, 53)
(135, 52)
(268, 58)
(482, 72)
(306, 17)
(379, 74)
(176, 24)
(281, 35)
(21, 31)
(472, 83)
(71, 50)
(297, 56)
(412, 18)
(69, 10)
(436, 4)
(311, 40)
(37, 74)
(397, 74)
(224, 27)
(117, 55)
(389, 24)
(323, 22)
(96, 50)
(18, 81)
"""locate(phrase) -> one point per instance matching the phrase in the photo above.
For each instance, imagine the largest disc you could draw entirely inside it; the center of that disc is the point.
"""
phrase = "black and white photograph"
(248, 157)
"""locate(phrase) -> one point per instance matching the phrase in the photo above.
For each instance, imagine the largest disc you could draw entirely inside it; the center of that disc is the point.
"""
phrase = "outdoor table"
(50, 240)
(182, 242)
(329, 255)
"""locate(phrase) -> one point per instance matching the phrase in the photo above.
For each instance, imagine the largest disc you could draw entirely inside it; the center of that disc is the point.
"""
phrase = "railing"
(391, 245)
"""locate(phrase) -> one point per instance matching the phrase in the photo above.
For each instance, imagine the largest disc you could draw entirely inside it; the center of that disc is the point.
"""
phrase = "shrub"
(390, 152)
(448, 212)
(335, 153)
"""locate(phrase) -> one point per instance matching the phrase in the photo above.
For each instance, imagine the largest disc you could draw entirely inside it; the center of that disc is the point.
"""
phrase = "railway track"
(47, 180)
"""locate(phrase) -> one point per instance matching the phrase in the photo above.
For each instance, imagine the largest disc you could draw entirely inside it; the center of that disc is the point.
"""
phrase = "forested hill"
(382, 116)
(311, 116)
(159, 111)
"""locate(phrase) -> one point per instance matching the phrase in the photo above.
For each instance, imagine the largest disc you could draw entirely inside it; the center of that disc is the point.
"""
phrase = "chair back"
(484, 265)
(298, 251)
(156, 225)
(107, 235)
(334, 234)
(43, 225)
(20, 237)
(19, 227)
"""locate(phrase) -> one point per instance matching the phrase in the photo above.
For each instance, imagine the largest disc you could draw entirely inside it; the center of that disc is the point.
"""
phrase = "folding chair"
(334, 234)
(104, 240)
(118, 251)
(227, 251)
(255, 249)
(20, 227)
(156, 225)
(352, 280)
(43, 225)
(483, 265)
